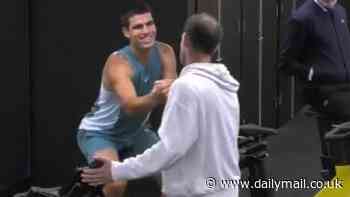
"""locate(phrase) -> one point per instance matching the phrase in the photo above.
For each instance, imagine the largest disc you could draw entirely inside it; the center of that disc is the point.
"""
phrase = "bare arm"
(118, 76)
(169, 74)
(168, 60)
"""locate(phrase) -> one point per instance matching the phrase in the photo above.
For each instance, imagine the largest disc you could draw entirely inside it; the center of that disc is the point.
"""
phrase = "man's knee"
(107, 153)
(115, 189)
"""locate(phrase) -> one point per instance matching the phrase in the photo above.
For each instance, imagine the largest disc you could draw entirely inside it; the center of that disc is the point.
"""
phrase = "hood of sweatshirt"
(218, 73)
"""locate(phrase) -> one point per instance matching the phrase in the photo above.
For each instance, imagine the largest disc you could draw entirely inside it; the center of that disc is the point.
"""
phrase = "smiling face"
(141, 31)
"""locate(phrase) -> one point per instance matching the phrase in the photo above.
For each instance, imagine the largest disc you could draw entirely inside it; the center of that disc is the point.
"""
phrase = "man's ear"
(126, 32)
(186, 40)
(215, 50)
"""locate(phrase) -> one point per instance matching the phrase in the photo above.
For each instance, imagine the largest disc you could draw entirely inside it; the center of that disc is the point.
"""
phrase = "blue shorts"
(89, 142)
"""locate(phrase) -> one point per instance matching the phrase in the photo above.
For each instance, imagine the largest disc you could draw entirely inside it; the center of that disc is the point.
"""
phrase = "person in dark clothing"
(318, 52)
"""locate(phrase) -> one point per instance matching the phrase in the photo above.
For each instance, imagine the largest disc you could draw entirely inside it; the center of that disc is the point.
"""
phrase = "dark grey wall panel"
(14, 113)
(258, 68)
(249, 75)
(269, 63)
(208, 6)
(249, 50)
(286, 84)
(231, 45)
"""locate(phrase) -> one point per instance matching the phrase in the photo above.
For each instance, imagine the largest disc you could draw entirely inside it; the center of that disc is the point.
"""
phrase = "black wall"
(249, 74)
(14, 99)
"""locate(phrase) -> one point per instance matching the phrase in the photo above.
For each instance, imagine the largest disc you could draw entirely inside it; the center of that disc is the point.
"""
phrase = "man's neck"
(321, 5)
(198, 58)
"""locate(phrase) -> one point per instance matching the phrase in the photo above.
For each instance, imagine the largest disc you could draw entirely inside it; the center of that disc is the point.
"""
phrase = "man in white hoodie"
(198, 151)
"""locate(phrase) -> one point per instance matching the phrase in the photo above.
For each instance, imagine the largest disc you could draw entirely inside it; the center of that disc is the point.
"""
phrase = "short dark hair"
(204, 31)
(133, 7)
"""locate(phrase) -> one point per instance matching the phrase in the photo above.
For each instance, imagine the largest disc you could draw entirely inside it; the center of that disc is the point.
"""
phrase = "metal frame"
(261, 56)
(30, 84)
(293, 84)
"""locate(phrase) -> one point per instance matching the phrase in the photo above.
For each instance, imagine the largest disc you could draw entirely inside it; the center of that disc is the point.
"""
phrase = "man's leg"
(117, 188)
(103, 147)
(150, 185)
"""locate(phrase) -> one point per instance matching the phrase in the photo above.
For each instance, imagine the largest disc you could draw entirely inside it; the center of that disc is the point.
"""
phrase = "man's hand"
(98, 176)
(161, 87)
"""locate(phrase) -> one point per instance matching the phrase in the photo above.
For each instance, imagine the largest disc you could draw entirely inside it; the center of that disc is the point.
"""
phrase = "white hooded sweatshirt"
(198, 136)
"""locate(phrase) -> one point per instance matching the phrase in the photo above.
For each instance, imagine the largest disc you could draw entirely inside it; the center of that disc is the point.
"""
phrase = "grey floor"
(294, 155)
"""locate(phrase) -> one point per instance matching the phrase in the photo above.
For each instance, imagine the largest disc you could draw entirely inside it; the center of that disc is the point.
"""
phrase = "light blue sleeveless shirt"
(106, 116)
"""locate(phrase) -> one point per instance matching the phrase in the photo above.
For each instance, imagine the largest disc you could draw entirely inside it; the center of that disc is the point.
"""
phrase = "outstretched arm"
(118, 74)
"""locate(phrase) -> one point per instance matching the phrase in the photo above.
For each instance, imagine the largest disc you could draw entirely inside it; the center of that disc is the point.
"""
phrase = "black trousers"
(332, 100)
(333, 103)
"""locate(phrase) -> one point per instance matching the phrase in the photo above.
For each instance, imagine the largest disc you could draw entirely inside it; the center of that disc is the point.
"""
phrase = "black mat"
(294, 155)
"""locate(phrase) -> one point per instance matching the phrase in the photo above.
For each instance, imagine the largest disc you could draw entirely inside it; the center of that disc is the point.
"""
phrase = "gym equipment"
(78, 189)
(338, 143)
(253, 151)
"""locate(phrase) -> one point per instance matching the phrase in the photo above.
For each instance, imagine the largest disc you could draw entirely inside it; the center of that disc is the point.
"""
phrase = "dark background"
(53, 53)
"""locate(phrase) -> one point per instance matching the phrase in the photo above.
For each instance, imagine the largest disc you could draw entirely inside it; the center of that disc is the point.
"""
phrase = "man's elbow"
(129, 108)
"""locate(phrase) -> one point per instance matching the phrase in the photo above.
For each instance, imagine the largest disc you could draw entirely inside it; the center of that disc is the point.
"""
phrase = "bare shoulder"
(165, 49)
(167, 56)
(116, 59)
(116, 66)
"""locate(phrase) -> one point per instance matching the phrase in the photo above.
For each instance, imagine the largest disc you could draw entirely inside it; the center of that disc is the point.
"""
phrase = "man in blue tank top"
(135, 79)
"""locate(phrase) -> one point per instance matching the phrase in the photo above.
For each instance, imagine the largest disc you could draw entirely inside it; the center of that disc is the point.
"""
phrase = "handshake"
(161, 89)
